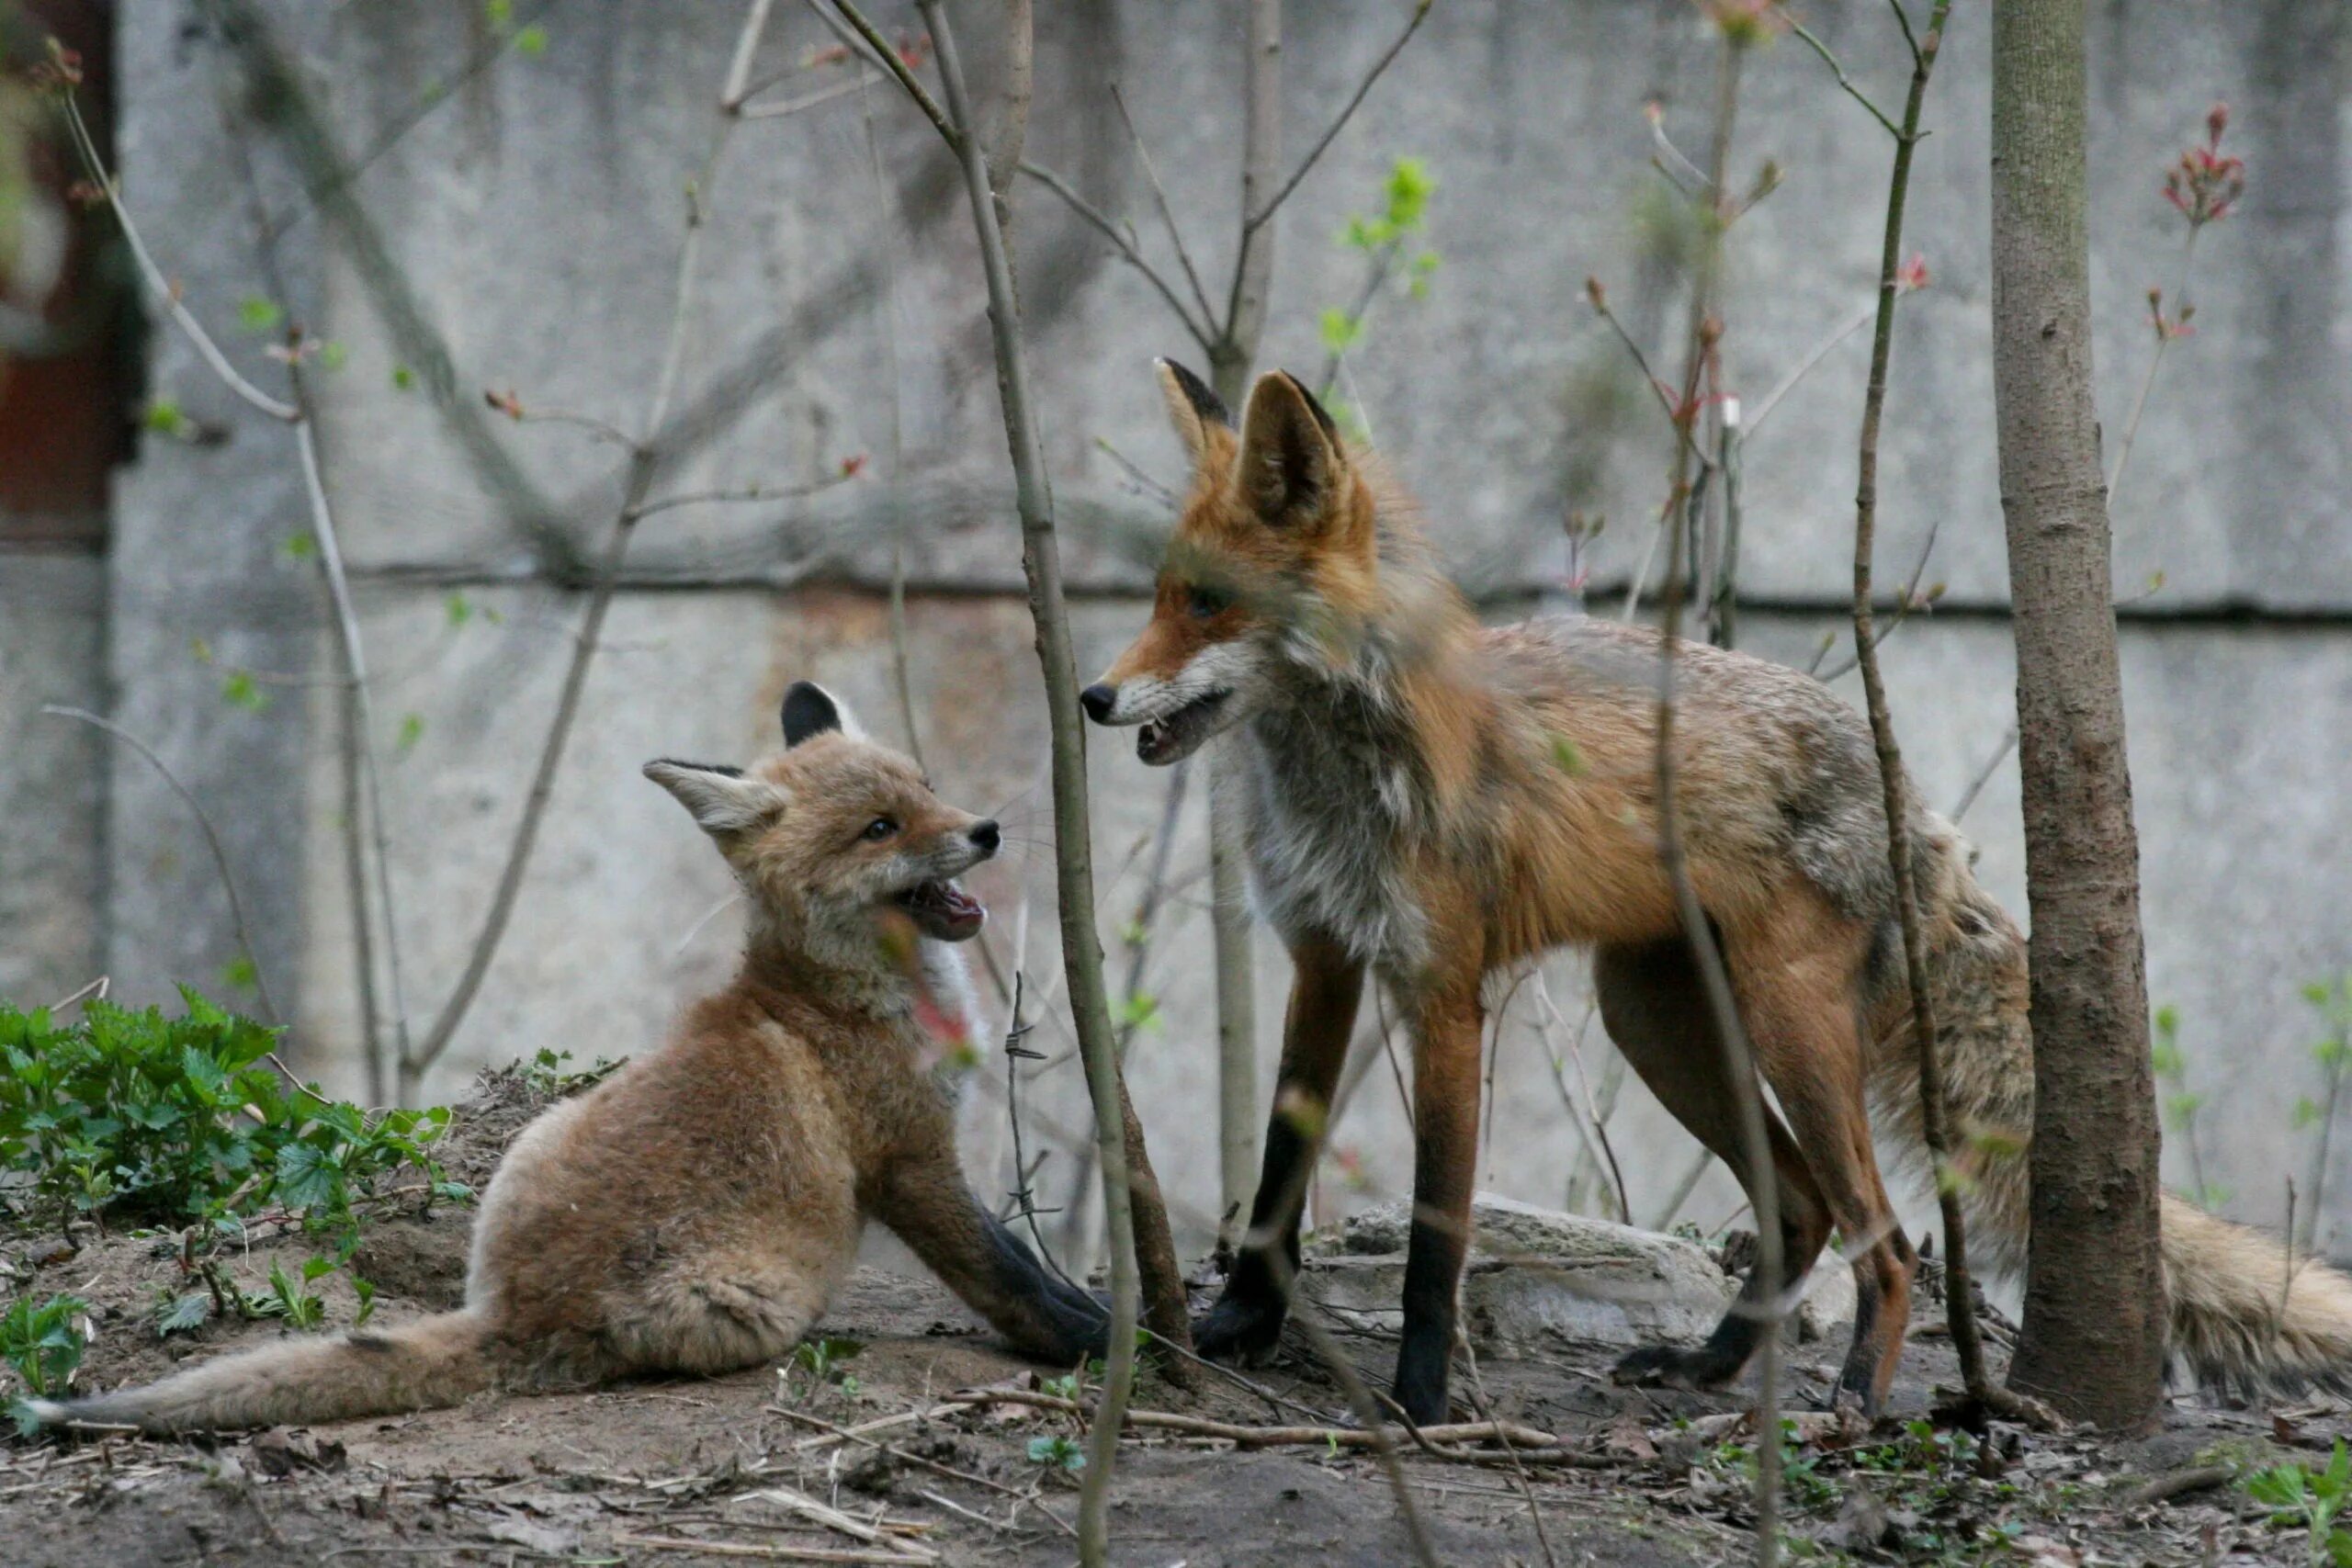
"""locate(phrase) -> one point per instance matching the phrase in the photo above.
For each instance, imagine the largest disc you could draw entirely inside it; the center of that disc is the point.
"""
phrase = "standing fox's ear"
(1198, 415)
(810, 709)
(1291, 464)
(721, 799)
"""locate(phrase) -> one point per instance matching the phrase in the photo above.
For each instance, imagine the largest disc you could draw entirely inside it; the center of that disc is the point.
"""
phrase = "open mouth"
(1178, 735)
(943, 910)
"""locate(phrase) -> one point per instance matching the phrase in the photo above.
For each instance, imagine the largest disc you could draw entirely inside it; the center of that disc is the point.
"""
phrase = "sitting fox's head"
(839, 842)
(1274, 562)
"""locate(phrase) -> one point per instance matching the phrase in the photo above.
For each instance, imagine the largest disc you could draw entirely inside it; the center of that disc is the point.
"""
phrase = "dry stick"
(769, 1553)
(1159, 199)
(1202, 332)
(644, 459)
(211, 838)
(1910, 599)
(1959, 1308)
(857, 1435)
(1081, 952)
(1486, 1430)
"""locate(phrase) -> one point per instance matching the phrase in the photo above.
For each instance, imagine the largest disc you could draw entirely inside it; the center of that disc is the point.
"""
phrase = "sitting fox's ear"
(721, 799)
(1201, 422)
(810, 709)
(1291, 464)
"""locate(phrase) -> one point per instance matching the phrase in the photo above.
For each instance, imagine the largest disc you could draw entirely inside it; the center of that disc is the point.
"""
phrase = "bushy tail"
(2235, 1321)
(436, 1361)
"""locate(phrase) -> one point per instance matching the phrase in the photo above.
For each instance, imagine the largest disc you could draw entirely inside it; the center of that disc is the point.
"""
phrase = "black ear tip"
(1197, 392)
(808, 709)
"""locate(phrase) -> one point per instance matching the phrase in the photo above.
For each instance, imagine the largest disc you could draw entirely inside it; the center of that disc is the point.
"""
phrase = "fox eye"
(879, 829)
(1205, 603)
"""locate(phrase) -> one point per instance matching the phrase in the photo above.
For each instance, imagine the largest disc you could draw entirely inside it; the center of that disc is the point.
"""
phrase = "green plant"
(550, 1072)
(1382, 239)
(44, 1343)
(1057, 1453)
(133, 1116)
(822, 1360)
(2332, 1001)
(2180, 1103)
(2297, 1495)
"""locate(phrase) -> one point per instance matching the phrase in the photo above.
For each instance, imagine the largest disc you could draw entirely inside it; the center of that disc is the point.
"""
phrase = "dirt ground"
(757, 1466)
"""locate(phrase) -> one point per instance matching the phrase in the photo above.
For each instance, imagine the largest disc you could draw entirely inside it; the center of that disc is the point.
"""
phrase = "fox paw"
(1240, 1331)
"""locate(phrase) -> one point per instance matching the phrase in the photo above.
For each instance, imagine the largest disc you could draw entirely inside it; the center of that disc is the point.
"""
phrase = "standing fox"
(1430, 800)
(694, 1211)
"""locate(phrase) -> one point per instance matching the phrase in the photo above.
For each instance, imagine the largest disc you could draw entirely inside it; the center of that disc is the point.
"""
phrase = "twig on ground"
(767, 1552)
(854, 1435)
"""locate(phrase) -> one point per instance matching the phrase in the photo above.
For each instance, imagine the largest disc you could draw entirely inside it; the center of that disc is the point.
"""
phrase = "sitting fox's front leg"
(925, 1203)
(1247, 1317)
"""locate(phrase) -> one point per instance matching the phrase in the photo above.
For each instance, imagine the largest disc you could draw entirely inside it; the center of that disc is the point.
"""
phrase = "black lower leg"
(1247, 1316)
(1432, 1276)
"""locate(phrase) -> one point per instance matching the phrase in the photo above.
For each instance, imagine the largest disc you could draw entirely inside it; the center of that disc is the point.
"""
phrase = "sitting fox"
(1429, 800)
(694, 1211)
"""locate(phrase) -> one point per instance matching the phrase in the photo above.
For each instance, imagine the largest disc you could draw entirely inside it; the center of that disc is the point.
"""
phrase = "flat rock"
(1536, 1278)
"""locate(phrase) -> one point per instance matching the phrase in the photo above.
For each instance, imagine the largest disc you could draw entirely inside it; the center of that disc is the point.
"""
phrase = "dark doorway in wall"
(69, 319)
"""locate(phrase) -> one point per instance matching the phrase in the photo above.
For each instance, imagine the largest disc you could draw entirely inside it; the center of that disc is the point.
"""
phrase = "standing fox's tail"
(2238, 1321)
(436, 1361)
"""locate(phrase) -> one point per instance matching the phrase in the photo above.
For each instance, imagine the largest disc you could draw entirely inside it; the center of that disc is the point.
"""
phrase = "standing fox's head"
(1274, 562)
(838, 841)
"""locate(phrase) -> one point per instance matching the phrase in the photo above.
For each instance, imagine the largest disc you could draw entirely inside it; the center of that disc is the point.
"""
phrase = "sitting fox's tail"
(436, 1361)
(2236, 1322)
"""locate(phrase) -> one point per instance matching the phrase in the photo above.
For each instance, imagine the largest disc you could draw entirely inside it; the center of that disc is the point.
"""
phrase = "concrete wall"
(522, 234)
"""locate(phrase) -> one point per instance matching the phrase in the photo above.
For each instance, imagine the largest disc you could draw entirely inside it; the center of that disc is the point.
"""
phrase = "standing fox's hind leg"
(1654, 1005)
(1796, 977)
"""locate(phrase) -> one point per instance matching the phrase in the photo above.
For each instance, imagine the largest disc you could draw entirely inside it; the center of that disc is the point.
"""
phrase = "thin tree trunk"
(2094, 1333)
(1237, 974)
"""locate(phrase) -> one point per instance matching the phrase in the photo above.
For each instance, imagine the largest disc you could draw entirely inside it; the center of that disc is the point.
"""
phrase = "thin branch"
(1257, 221)
(643, 462)
(354, 660)
(1599, 1121)
(211, 839)
(2165, 336)
(165, 290)
(739, 68)
(1160, 197)
(1805, 37)
(1984, 774)
(1804, 368)
(1137, 476)
(791, 106)
(1094, 220)
(1959, 1303)
(888, 58)
(1908, 602)
(746, 493)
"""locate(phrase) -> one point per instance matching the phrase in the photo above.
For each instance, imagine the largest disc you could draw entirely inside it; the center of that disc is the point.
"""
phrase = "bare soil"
(718, 1470)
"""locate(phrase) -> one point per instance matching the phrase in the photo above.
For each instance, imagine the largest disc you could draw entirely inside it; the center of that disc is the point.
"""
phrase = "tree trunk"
(2094, 1333)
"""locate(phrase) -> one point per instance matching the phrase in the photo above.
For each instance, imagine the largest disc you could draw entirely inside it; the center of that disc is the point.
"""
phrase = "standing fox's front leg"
(1247, 1317)
(1446, 1026)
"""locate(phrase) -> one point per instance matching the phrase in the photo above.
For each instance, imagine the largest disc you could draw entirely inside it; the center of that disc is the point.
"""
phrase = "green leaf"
(499, 14)
(256, 314)
(1340, 330)
(164, 418)
(240, 972)
(412, 731)
(240, 690)
(2306, 1112)
(1409, 185)
(403, 378)
(182, 1314)
(532, 40)
(332, 355)
(299, 547)
(459, 609)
